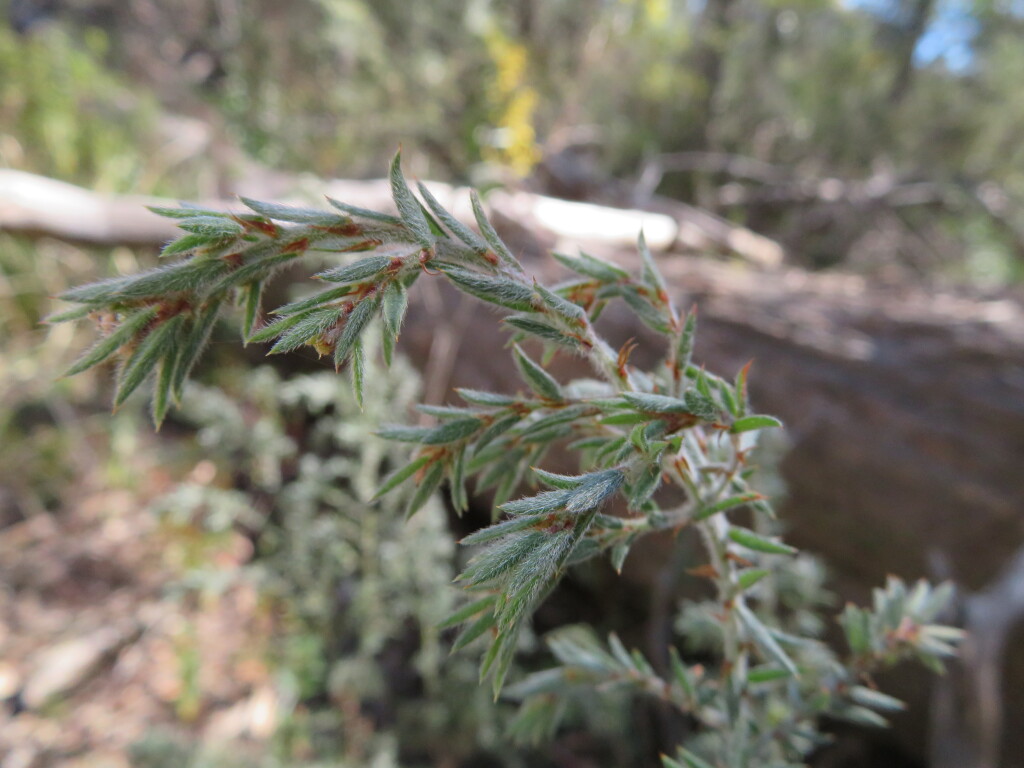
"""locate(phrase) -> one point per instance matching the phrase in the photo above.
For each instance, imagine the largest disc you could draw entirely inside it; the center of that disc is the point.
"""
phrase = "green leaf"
(700, 405)
(494, 289)
(403, 433)
(619, 553)
(651, 275)
(358, 363)
(100, 292)
(645, 485)
(356, 271)
(467, 611)
(399, 476)
(260, 269)
(751, 540)
(625, 419)
(651, 403)
(763, 638)
(548, 501)
(408, 206)
(145, 358)
(356, 321)
(183, 245)
(682, 675)
(309, 328)
(427, 486)
(684, 349)
(394, 302)
(121, 335)
(748, 423)
(595, 488)
(539, 380)
(499, 658)
(476, 397)
(495, 430)
(653, 317)
(543, 331)
(212, 227)
(165, 381)
(587, 265)
(740, 387)
(869, 697)
(529, 579)
(311, 302)
(77, 313)
(187, 211)
(500, 557)
(487, 230)
(251, 297)
(457, 228)
(500, 530)
(451, 431)
(474, 630)
(767, 674)
(563, 482)
(364, 213)
(750, 577)
(296, 215)
(726, 504)
(446, 411)
(856, 624)
(278, 327)
(192, 349)
(573, 314)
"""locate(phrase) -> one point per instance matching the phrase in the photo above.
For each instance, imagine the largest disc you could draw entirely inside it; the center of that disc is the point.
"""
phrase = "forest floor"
(105, 660)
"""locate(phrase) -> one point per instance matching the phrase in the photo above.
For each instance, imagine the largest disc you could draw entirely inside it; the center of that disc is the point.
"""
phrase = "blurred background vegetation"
(876, 136)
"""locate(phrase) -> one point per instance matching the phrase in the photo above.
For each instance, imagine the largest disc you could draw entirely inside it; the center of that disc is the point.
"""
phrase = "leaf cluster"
(659, 449)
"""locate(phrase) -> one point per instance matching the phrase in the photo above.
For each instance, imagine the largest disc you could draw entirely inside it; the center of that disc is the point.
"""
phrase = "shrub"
(672, 446)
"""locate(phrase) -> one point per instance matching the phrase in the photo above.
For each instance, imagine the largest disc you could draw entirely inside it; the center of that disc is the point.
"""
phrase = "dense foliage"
(659, 449)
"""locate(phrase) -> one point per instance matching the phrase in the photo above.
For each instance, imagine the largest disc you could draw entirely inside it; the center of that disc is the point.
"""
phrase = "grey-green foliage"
(351, 578)
(634, 432)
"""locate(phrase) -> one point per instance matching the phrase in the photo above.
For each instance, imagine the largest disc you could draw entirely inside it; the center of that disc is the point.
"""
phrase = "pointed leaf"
(487, 230)
(357, 270)
(748, 423)
(408, 206)
(495, 289)
(394, 304)
(296, 215)
(543, 331)
(427, 486)
(145, 358)
(466, 612)
(539, 380)
(763, 638)
(457, 228)
(751, 540)
(399, 476)
(108, 345)
(356, 321)
(364, 213)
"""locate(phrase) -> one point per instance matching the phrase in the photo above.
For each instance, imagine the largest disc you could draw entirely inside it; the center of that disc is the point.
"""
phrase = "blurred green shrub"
(358, 592)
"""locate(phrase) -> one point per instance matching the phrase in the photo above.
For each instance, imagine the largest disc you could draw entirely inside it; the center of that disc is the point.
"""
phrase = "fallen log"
(36, 205)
